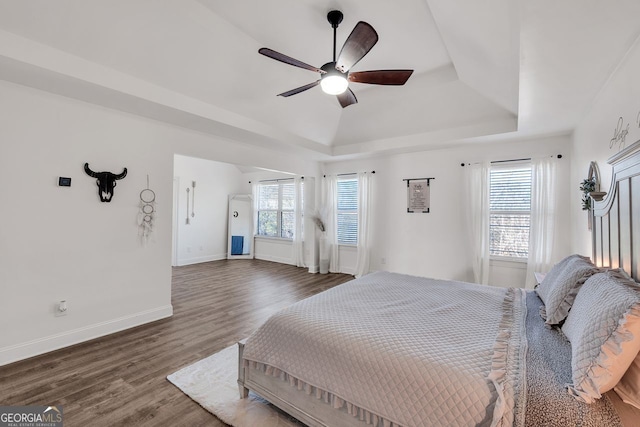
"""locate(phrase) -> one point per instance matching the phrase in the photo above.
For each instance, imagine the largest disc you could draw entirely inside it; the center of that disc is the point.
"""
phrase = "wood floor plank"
(120, 379)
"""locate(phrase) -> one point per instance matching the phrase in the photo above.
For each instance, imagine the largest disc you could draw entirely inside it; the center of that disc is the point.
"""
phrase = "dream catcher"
(147, 211)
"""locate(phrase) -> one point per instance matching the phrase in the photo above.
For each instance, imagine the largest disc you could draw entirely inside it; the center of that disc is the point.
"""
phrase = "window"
(276, 209)
(287, 210)
(347, 211)
(510, 210)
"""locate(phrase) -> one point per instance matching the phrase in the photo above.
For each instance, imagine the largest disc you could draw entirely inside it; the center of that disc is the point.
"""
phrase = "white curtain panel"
(298, 245)
(544, 217)
(328, 212)
(477, 197)
(254, 193)
(364, 229)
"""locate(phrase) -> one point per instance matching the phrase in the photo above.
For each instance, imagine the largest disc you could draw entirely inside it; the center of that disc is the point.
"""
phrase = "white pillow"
(560, 286)
(629, 386)
(603, 327)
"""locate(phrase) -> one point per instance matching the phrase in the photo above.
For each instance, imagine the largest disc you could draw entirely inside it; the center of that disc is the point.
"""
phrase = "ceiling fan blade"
(381, 77)
(288, 60)
(347, 98)
(358, 44)
(299, 89)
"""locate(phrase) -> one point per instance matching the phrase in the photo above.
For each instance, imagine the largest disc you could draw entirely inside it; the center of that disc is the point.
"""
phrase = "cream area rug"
(211, 382)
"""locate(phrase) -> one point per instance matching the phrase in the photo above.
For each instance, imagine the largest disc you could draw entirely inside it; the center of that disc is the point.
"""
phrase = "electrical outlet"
(61, 308)
(383, 260)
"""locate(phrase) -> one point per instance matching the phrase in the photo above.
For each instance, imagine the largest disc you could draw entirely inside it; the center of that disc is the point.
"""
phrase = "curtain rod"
(346, 174)
(512, 160)
(277, 180)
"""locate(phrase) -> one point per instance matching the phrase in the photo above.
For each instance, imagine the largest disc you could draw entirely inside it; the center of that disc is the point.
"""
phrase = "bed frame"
(616, 218)
(308, 409)
(616, 243)
(616, 235)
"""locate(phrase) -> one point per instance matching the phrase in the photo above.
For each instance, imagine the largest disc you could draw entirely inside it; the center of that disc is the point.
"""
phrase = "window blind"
(347, 211)
(510, 210)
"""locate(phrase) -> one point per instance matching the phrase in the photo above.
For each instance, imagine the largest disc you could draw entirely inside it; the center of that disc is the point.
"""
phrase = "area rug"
(211, 382)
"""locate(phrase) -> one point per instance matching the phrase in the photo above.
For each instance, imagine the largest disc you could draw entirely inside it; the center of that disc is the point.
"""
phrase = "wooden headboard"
(616, 218)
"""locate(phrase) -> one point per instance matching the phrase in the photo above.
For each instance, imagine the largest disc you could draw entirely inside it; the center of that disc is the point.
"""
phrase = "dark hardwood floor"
(120, 379)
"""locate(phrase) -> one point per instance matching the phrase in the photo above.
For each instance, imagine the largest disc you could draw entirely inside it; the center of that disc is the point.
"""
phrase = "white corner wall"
(63, 243)
(204, 238)
(614, 113)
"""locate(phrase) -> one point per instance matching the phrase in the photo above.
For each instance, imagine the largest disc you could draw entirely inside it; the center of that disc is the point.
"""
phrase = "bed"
(397, 350)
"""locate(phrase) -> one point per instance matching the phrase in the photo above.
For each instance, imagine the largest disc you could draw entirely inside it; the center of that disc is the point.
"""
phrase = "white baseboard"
(65, 339)
(272, 258)
(198, 260)
(348, 270)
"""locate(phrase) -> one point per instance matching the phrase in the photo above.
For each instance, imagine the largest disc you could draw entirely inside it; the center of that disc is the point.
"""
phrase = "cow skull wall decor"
(106, 181)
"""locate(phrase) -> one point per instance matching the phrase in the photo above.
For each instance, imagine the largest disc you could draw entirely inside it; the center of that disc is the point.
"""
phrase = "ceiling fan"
(335, 75)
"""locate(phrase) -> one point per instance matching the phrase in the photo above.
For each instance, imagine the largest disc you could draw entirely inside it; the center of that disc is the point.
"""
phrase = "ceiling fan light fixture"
(336, 75)
(334, 84)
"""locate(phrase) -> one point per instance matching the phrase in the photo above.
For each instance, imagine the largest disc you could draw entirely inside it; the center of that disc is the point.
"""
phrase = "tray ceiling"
(498, 67)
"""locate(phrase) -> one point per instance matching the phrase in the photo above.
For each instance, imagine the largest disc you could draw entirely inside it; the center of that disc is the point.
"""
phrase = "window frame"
(278, 211)
(506, 166)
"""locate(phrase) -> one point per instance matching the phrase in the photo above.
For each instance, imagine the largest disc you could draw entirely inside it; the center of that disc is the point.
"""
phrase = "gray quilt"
(400, 350)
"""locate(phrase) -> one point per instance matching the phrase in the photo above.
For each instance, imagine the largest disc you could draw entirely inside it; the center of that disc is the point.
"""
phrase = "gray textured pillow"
(603, 327)
(560, 286)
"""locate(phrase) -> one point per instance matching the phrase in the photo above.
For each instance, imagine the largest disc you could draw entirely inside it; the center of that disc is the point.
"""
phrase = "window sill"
(519, 263)
(273, 239)
(347, 246)
(508, 259)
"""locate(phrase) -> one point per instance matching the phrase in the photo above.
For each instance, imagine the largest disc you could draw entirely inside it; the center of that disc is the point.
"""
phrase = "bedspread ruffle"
(508, 353)
(332, 399)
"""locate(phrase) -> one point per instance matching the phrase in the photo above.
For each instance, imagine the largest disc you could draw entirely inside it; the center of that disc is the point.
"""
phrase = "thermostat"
(64, 182)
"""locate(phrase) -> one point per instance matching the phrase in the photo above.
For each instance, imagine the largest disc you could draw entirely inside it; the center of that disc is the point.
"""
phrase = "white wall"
(275, 250)
(63, 243)
(436, 244)
(592, 140)
(205, 237)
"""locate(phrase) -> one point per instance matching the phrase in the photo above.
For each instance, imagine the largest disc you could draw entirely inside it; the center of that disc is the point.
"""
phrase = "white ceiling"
(519, 69)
